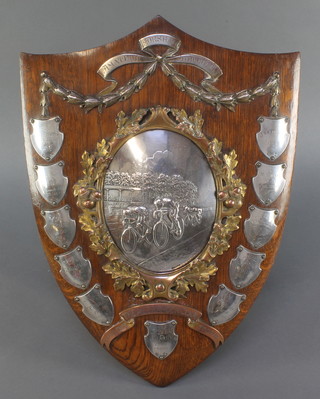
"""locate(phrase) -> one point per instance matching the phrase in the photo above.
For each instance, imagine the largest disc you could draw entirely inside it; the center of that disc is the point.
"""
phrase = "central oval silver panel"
(159, 200)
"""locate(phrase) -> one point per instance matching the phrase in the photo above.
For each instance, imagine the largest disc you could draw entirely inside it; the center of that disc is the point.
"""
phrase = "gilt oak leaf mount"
(160, 169)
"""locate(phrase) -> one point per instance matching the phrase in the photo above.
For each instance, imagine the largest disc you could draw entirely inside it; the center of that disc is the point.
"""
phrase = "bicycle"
(136, 229)
(167, 211)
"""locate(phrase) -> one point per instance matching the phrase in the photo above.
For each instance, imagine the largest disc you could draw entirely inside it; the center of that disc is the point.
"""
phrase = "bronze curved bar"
(116, 330)
(204, 329)
(128, 316)
(160, 308)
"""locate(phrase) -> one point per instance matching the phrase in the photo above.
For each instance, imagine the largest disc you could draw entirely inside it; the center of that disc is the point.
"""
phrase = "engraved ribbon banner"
(205, 92)
(211, 70)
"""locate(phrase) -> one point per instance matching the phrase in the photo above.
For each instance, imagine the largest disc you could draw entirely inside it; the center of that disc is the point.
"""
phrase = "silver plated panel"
(75, 269)
(161, 338)
(245, 267)
(46, 137)
(59, 226)
(51, 183)
(97, 306)
(273, 137)
(224, 306)
(159, 205)
(269, 182)
(260, 226)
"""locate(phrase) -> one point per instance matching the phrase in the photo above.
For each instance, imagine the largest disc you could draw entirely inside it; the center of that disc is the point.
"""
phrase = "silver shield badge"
(224, 306)
(161, 338)
(75, 269)
(245, 268)
(59, 226)
(273, 137)
(269, 182)
(46, 137)
(260, 226)
(96, 306)
(51, 183)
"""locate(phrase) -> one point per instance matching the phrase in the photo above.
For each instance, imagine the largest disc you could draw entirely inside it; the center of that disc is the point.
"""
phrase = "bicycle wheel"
(179, 229)
(160, 234)
(129, 240)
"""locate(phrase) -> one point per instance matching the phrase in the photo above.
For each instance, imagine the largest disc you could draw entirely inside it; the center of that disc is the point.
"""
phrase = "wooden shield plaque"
(160, 170)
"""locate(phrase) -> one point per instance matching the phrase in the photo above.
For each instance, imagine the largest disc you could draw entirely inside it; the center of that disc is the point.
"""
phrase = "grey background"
(45, 352)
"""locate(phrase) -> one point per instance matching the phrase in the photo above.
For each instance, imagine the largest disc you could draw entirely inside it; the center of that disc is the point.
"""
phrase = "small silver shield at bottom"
(161, 338)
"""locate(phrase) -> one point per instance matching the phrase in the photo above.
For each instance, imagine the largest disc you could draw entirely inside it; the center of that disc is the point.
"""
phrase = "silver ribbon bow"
(211, 70)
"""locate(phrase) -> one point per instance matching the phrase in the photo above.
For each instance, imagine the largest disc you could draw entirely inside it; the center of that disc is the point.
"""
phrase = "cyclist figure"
(141, 220)
(169, 221)
(136, 228)
(193, 215)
